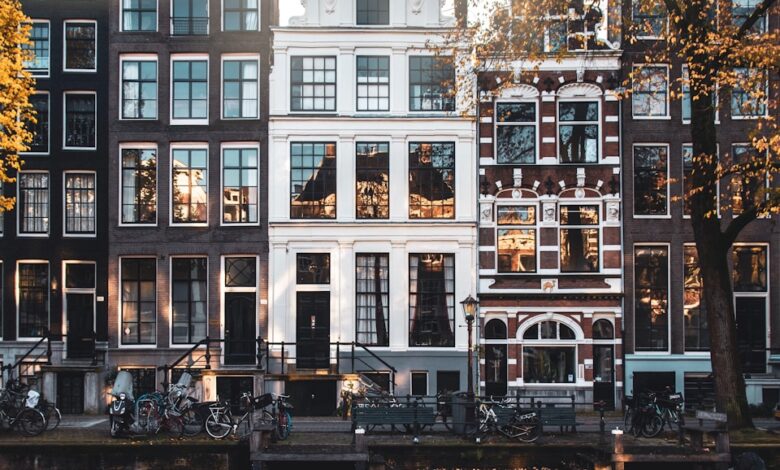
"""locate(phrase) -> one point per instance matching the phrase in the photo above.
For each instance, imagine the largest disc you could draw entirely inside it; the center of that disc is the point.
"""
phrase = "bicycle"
(154, 410)
(525, 426)
(220, 422)
(642, 417)
(282, 418)
(50, 411)
(18, 411)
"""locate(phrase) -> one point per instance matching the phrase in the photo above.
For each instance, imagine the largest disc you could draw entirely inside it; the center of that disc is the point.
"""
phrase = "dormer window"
(373, 12)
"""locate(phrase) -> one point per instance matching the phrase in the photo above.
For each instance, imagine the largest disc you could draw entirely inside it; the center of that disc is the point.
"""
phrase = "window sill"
(651, 118)
(190, 122)
(79, 70)
(80, 149)
(137, 225)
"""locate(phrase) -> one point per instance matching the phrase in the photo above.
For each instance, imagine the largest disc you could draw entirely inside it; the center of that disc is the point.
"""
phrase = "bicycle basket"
(262, 401)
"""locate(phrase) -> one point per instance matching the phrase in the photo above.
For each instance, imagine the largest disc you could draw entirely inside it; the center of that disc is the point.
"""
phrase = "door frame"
(606, 344)
(76, 290)
(329, 316)
(245, 290)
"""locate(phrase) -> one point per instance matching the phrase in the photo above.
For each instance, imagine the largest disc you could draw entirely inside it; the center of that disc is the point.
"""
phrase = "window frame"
(120, 311)
(716, 98)
(189, 121)
(47, 73)
(700, 351)
(368, 85)
(65, 119)
(224, 289)
(368, 141)
(65, 232)
(139, 58)
(412, 373)
(764, 22)
(535, 227)
(122, 28)
(171, 184)
(764, 104)
(19, 211)
(598, 122)
(682, 180)
(648, 37)
(290, 193)
(535, 124)
(238, 58)
(766, 294)
(186, 345)
(372, 25)
(599, 204)
(667, 213)
(190, 33)
(550, 343)
(65, 45)
(18, 295)
(669, 304)
(335, 82)
(48, 125)
(242, 146)
(419, 55)
(452, 318)
(120, 199)
(430, 140)
(222, 19)
(77, 290)
(737, 177)
(388, 307)
(645, 117)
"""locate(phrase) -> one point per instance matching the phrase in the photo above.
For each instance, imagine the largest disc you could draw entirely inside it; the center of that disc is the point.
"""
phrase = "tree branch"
(673, 7)
(736, 225)
(761, 8)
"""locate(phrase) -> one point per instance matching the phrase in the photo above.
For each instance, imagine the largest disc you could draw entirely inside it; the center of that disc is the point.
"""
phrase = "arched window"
(495, 329)
(602, 329)
(549, 330)
(549, 353)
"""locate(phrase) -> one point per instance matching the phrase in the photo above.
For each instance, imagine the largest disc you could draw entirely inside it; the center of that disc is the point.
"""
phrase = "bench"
(564, 418)
(411, 417)
(708, 423)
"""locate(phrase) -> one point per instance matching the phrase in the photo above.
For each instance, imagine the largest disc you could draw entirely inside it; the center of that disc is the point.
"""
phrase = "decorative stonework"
(613, 211)
(330, 6)
(417, 6)
(548, 212)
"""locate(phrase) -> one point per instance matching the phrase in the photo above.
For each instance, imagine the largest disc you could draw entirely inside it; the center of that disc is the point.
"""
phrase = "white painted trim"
(122, 19)
(190, 58)
(19, 211)
(534, 123)
(222, 19)
(238, 57)
(120, 333)
(187, 146)
(171, 344)
(65, 45)
(74, 290)
(120, 200)
(48, 42)
(226, 290)
(238, 145)
(139, 58)
(667, 212)
(65, 233)
(65, 118)
(669, 302)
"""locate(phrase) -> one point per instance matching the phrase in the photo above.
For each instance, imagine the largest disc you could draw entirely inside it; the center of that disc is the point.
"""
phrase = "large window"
(578, 131)
(188, 294)
(750, 277)
(139, 300)
(38, 65)
(190, 89)
(240, 89)
(33, 292)
(139, 89)
(80, 204)
(81, 46)
(749, 94)
(516, 132)
(240, 185)
(579, 239)
(432, 300)
(741, 10)
(139, 185)
(685, 100)
(313, 180)
(240, 15)
(190, 185)
(697, 337)
(553, 362)
(650, 19)
(80, 120)
(516, 236)
(650, 97)
(40, 129)
(373, 12)
(372, 186)
(431, 81)
(139, 15)
(33, 203)
(372, 302)
(313, 84)
(651, 298)
(431, 180)
(687, 183)
(312, 268)
(748, 185)
(651, 173)
(190, 18)
(373, 83)
(750, 268)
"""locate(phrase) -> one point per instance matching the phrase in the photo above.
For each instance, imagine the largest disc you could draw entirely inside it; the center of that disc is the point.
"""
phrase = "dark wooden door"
(313, 330)
(70, 392)
(604, 375)
(312, 397)
(495, 369)
(751, 333)
(240, 328)
(231, 389)
(81, 321)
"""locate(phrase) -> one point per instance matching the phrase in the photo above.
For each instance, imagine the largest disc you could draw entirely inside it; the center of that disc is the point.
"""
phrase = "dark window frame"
(242, 10)
(80, 126)
(584, 228)
(433, 296)
(79, 209)
(297, 67)
(425, 178)
(34, 299)
(249, 213)
(372, 12)
(659, 287)
(637, 16)
(187, 207)
(140, 12)
(651, 182)
(139, 83)
(40, 47)
(505, 128)
(372, 282)
(317, 268)
(136, 280)
(145, 213)
(182, 269)
(34, 203)
(578, 155)
(189, 24)
(372, 183)
(189, 83)
(41, 130)
(439, 71)
(299, 167)
(514, 226)
(241, 80)
(646, 93)
(83, 44)
(694, 315)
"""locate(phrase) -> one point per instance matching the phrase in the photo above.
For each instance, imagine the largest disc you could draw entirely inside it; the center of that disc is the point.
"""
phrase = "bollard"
(617, 447)
(360, 440)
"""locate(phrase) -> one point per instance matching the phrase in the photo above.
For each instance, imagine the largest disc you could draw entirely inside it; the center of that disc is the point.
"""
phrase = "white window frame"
(682, 286)
(121, 345)
(187, 146)
(223, 289)
(767, 184)
(65, 117)
(682, 180)
(48, 127)
(222, 19)
(138, 58)
(120, 199)
(668, 297)
(208, 23)
(18, 208)
(171, 344)
(496, 125)
(190, 58)
(65, 45)
(599, 204)
(48, 69)
(642, 117)
(122, 19)
(668, 213)
(579, 338)
(237, 145)
(765, 295)
(17, 296)
(374, 53)
(643, 37)
(65, 232)
(76, 290)
(231, 58)
(716, 98)
(536, 227)
(765, 104)
(558, 123)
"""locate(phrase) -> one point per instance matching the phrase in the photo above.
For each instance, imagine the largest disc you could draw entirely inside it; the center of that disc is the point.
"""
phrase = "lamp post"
(469, 309)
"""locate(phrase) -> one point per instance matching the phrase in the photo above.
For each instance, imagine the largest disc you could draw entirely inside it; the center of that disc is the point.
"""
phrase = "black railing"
(22, 361)
(190, 26)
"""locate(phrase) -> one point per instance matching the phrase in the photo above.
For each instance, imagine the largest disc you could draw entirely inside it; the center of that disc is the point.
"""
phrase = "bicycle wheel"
(526, 429)
(628, 419)
(192, 422)
(447, 424)
(173, 425)
(283, 425)
(266, 418)
(52, 415)
(218, 425)
(31, 421)
(652, 426)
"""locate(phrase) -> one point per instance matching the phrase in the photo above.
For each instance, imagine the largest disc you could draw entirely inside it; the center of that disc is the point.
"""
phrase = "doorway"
(240, 341)
(80, 311)
(604, 375)
(313, 330)
(312, 397)
(70, 392)
(231, 388)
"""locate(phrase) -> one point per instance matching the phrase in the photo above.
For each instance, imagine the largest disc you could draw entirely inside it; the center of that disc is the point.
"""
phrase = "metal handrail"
(19, 362)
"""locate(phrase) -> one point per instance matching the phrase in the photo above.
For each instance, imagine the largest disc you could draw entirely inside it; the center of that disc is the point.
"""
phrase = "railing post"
(208, 353)
(338, 357)
(258, 354)
(48, 348)
(353, 357)
(94, 348)
(282, 357)
(267, 356)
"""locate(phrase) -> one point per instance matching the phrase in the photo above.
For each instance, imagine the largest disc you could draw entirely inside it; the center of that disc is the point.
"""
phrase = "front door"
(240, 338)
(312, 397)
(751, 333)
(313, 330)
(80, 311)
(70, 392)
(604, 375)
(495, 370)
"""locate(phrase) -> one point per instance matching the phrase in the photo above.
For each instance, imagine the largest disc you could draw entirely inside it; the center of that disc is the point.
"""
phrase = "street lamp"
(469, 309)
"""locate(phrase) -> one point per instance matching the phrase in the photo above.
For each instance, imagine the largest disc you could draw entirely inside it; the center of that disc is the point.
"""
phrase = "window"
(549, 364)
(80, 46)
(741, 10)
(373, 83)
(240, 185)
(651, 174)
(190, 89)
(686, 95)
(189, 299)
(419, 384)
(650, 19)
(190, 18)
(430, 81)
(578, 131)
(697, 337)
(549, 330)
(33, 203)
(40, 129)
(241, 272)
(372, 186)
(312, 268)
(313, 180)
(240, 89)
(372, 302)
(373, 12)
(144, 380)
(651, 298)
(651, 92)
(516, 132)
(80, 204)
(38, 64)
(432, 300)
(139, 89)
(80, 120)
(139, 15)
(687, 157)
(495, 329)
(603, 329)
(751, 102)
(750, 275)
(240, 15)
(750, 268)
(139, 185)
(190, 185)
(313, 84)
(579, 239)
(33, 291)
(516, 239)
(139, 300)
(748, 185)
(431, 180)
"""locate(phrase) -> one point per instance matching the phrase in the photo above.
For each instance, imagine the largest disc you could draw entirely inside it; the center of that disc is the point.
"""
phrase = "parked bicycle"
(18, 409)
(500, 417)
(649, 413)
(49, 410)
(221, 422)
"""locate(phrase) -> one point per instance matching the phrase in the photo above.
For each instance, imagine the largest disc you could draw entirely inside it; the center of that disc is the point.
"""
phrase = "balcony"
(190, 26)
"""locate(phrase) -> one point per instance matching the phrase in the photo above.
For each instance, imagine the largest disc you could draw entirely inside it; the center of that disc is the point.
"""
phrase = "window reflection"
(578, 132)
(651, 294)
(313, 181)
(431, 180)
(696, 333)
(373, 178)
(190, 186)
(579, 239)
(517, 246)
(749, 268)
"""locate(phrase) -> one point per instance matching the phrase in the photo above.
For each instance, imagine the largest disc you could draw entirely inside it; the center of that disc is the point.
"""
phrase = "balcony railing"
(190, 26)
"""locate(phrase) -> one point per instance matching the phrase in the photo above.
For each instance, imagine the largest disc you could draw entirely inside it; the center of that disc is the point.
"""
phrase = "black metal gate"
(70, 392)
